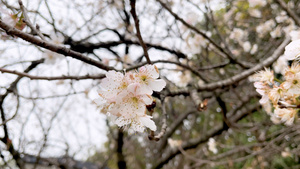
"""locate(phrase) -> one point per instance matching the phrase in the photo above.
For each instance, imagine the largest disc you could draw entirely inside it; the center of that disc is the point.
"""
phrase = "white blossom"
(254, 3)
(292, 50)
(125, 96)
(212, 146)
(285, 115)
(295, 34)
(280, 65)
(237, 34)
(247, 46)
(276, 33)
(254, 49)
(255, 13)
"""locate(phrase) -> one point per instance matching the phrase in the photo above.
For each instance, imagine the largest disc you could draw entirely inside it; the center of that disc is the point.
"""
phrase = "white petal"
(289, 121)
(133, 88)
(144, 89)
(136, 126)
(100, 101)
(264, 99)
(292, 50)
(157, 85)
(147, 122)
(121, 121)
(147, 99)
(150, 70)
(114, 75)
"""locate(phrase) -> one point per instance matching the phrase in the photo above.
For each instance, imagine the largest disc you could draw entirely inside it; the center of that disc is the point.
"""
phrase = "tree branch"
(50, 46)
(138, 33)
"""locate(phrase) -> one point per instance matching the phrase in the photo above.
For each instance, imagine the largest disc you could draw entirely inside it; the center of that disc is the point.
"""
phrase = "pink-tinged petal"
(120, 96)
(147, 99)
(133, 88)
(147, 122)
(150, 70)
(138, 89)
(264, 99)
(261, 92)
(286, 85)
(259, 85)
(157, 85)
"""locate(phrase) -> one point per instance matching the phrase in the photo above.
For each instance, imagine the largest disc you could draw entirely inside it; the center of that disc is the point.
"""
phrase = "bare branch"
(138, 32)
(63, 77)
(50, 46)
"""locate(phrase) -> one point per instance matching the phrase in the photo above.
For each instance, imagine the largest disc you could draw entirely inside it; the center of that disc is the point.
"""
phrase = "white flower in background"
(228, 15)
(254, 3)
(57, 39)
(270, 24)
(192, 18)
(238, 34)
(194, 43)
(52, 57)
(295, 34)
(266, 27)
(286, 152)
(127, 61)
(12, 19)
(212, 146)
(9, 19)
(174, 143)
(254, 49)
(184, 78)
(292, 50)
(281, 18)
(280, 65)
(277, 32)
(286, 116)
(125, 97)
(247, 46)
(255, 13)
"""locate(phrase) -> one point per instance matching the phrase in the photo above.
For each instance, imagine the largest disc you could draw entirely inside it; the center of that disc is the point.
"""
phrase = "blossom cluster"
(125, 97)
(283, 95)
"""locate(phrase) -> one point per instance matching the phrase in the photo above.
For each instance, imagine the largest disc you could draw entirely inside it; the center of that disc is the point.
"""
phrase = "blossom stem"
(277, 80)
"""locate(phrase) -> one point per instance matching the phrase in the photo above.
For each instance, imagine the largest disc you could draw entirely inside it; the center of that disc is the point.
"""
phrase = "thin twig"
(53, 47)
(63, 77)
(138, 33)
(28, 22)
